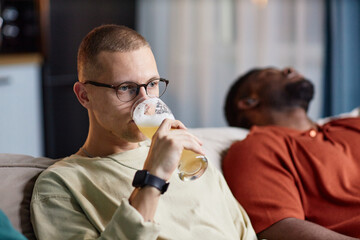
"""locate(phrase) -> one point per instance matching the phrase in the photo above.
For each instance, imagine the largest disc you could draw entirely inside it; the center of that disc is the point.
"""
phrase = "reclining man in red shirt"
(295, 179)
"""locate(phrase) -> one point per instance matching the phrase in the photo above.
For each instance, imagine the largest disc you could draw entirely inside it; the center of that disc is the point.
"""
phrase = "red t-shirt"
(277, 173)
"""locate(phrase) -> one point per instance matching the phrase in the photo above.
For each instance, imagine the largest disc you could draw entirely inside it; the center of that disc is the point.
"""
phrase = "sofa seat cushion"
(18, 174)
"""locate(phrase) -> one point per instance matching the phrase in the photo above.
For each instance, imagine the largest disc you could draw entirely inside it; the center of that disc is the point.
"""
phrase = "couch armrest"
(18, 174)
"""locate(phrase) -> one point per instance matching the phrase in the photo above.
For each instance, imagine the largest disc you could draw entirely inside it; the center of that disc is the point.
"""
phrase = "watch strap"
(143, 178)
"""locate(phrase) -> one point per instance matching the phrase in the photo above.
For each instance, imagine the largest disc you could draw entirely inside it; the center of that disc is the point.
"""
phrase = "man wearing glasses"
(89, 195)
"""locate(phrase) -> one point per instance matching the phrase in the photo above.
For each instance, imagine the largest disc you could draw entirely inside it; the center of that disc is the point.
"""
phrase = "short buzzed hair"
(237, 91)
(111, 38)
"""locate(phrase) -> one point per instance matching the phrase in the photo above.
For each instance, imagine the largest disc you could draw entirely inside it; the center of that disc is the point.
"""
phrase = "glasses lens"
(156, 87)
(162, 87)
(127, 91)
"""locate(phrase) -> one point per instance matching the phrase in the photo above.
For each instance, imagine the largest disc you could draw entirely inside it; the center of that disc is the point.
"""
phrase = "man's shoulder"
(64, 170)
(270, 132)
(70, 166)
(64, 164)
(259, 137)
(352, 122)
(51, 183)
(264, 137)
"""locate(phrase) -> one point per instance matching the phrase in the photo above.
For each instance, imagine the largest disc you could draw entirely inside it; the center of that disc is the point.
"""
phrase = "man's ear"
(81, 94)
(247, 103)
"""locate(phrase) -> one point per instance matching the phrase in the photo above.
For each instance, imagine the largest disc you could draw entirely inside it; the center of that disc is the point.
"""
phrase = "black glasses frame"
(138, 86)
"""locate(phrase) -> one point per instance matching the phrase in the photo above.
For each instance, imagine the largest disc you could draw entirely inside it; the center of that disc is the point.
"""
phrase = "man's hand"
(166, 148)
(165, 151)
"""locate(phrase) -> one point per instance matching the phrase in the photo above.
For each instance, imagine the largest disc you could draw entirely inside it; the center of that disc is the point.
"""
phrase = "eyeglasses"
(127, 91)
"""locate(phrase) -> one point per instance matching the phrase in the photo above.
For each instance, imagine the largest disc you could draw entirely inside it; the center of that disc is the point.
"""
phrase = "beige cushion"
(354, 113)
(216, 141)
(18, 174)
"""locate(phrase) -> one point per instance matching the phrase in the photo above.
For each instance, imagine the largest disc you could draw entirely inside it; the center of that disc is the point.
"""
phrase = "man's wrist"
(143, 178)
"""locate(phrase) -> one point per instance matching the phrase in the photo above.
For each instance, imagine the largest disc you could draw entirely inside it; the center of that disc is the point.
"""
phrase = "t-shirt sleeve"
(59, 216)
(261, 175)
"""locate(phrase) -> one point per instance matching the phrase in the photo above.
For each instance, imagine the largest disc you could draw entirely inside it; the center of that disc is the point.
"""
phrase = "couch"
(18, 173)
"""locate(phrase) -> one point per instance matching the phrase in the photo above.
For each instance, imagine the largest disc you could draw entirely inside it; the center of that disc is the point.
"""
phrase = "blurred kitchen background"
(201, 46)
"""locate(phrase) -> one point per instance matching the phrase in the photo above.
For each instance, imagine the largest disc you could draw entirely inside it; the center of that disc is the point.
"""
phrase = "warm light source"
(261, 3)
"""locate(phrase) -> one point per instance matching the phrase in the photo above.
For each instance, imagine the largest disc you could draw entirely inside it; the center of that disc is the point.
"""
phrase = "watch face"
(144, 178)
(139, 178)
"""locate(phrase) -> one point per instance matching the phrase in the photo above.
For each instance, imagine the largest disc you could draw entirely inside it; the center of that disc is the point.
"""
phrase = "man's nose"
(288, 70)
(142, 92)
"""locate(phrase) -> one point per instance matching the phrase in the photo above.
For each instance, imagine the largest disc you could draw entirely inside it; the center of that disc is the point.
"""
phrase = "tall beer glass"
(148, 114)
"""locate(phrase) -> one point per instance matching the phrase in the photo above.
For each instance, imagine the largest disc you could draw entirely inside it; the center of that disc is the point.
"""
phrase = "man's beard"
(295, 94)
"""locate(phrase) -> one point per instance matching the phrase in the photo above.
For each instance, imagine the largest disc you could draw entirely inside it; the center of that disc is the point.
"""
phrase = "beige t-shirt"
(87, 198)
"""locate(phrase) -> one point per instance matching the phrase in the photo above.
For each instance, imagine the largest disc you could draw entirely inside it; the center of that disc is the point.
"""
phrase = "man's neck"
(97, 145)
(295, 118)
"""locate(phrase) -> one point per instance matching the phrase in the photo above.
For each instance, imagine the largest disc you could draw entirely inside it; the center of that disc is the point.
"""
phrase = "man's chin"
(134, 134)
(142, 138)
(300, 92)
(137, 138)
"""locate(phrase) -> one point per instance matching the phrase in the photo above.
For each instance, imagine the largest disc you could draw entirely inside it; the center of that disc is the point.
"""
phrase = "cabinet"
(21, 117)
(65, 120)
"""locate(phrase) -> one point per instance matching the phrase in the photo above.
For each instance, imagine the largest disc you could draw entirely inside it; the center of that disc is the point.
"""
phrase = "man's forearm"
(297, 229)
(145, 200)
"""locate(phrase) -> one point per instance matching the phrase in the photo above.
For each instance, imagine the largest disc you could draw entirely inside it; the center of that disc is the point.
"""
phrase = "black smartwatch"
(143, 178)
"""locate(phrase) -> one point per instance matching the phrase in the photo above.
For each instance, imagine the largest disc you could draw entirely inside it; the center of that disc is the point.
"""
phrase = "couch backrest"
(17, 177)
(216, 141)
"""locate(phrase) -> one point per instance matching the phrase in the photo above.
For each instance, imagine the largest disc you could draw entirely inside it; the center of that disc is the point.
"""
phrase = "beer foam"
(151, 120)
(151, 112)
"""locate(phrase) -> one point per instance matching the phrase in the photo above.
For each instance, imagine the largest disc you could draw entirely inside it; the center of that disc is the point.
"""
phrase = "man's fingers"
(168, 124)
(177, 130)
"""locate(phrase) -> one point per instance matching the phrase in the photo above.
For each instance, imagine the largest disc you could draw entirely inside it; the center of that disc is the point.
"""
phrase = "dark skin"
(259, 113)
(257, 110)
